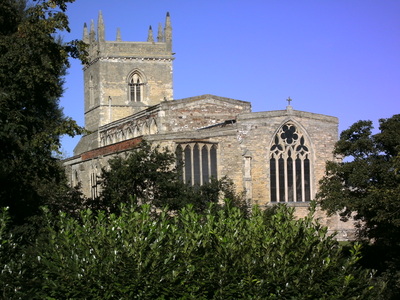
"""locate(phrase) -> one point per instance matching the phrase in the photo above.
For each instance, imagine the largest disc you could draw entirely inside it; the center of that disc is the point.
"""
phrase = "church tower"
(122, 78)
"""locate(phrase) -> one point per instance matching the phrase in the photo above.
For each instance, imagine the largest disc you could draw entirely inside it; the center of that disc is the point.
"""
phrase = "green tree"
(145, 174)
(219, 254)
(33, 62)
(365, 187)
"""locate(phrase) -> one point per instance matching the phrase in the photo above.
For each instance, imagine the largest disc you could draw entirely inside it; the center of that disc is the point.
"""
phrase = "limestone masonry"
(274, 156)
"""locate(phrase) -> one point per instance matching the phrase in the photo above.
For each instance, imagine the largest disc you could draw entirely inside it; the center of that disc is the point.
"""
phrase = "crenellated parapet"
(99, 46)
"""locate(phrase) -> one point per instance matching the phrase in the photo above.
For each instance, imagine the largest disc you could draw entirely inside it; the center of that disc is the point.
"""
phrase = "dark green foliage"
(149, 175)
(32, 65)
(218, 254)
(146, 174)
(366, 187)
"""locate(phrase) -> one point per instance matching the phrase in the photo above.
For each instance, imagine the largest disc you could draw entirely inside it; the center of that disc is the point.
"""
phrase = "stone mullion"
(91, 185)
(285, 157)
(311, 177)
(201, 162)
(192, 164)
(140, 92)
(277, 178)
(204, 164)
(183, 161)
(303, 190)
(294, 178)
(209, 161)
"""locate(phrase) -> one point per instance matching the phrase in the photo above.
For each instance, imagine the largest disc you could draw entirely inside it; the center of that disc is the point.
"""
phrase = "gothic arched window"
(290, 166)
(199, 162)
(136, 88)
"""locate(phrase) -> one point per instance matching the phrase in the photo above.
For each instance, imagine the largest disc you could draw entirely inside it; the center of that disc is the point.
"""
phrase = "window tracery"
(290, 166)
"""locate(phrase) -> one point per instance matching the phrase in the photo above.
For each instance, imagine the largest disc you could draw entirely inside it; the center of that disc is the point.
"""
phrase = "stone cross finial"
(289, 100)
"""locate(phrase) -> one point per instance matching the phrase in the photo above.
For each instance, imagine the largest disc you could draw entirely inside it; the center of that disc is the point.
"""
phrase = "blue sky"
(333, 57)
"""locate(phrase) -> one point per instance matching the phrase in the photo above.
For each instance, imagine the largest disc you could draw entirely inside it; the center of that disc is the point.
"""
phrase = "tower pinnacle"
(100, 28)
(150, 37)
(92, 34)
(160, 35)
(168, 32)
(85, 34)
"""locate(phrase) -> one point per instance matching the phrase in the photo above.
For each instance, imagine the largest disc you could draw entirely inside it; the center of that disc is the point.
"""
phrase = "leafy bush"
(216, 255)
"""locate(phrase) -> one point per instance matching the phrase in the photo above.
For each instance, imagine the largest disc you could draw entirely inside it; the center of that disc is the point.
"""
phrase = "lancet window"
(136, 88)
(290, 166)
(198, 162)
(94, 183)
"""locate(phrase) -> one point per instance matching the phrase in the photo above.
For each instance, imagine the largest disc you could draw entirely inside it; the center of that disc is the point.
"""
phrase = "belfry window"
(136, 88)
(198, 162)
(290, 166)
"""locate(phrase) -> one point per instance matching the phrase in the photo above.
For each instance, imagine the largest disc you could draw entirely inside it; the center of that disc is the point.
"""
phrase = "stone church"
(273, 156)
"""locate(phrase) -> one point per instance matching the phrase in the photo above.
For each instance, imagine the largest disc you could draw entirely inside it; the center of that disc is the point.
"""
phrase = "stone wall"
(200, 112)
(257, 130)
(173, 116)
